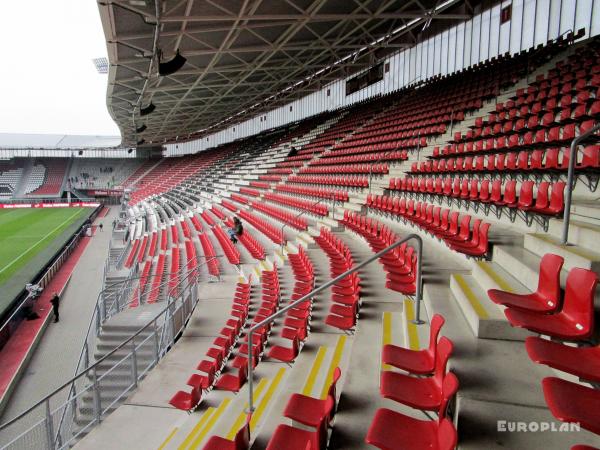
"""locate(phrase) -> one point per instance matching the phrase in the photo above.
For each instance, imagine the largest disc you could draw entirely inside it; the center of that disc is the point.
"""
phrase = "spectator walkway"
(54, 360)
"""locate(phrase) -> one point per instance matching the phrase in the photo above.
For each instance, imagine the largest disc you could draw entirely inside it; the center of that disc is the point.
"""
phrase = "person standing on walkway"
(55, 300)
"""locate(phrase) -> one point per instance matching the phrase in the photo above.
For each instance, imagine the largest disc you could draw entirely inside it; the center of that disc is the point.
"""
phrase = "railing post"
(156, 343)
(250, 372)
(134, 371)
(49, 425)
(570, 178)
(96, 396)
(419, 287)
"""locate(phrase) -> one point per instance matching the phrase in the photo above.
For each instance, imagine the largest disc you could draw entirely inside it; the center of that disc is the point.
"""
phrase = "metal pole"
(96, 396)
(570, 177)
(326, 285)
(49, 425)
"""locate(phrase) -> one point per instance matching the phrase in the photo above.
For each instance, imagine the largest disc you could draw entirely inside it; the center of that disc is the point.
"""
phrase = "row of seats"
(551, 159)
(312, 207)
(296, 324)
(209, 253)
(230, 250)
(440, 222)
(254, 247)
(347, 168)
(547, 199)
(570, 318)
(266, 228)
(217, 356)
(335, 194)
(249, 191)
(286, 217)
(372, 156)
(346, 181)
(427, 386)
(345, 294)
(400, 264)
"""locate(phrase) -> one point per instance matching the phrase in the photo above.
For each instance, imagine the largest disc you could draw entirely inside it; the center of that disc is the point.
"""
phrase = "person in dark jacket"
(236, 230)
(55, 301)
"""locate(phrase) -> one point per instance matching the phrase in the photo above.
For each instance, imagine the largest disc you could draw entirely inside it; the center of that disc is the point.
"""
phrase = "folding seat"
(241, 441)
(535, 160)
(420, 362)
(546, 299)
(500, 162)
(285, 354)
(419, 393)
(525, 195)
(287, 437)
(573, 403)
(590, 158)
(477, 246)
(186, 401)
(523, 160)
(229, 382)
(474, 189)
(203, 382)
(576, 319)
(310, 411)
(556, 203)
(390, 429)
(509, 198)
(511, 161)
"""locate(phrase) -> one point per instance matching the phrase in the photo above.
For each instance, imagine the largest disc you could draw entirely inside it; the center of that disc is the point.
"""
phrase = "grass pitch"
(29, 237)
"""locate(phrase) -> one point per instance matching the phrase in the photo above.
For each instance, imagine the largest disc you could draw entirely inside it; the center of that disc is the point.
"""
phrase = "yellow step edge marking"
(386, 336)
(335, 361)
(258, 412)
(471, 297)
(413, 333)
(501, 282)
(196, 428)
(168, 439)
(570, 249)
(314, 371)
(241, 419)
(211, 423)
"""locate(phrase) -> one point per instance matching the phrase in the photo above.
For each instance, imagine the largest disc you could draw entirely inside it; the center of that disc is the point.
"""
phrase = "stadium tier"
(469, 323)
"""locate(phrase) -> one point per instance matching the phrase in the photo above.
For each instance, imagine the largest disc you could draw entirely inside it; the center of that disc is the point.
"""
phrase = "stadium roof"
(56, 141)
(241, 52)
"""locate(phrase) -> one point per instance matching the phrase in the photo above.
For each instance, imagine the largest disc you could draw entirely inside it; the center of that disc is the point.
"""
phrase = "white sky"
(48, 82)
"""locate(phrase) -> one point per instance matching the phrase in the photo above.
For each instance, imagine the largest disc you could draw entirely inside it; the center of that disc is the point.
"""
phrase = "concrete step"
(490, 275)
(581, 232)
(485, 318)
(575, 256)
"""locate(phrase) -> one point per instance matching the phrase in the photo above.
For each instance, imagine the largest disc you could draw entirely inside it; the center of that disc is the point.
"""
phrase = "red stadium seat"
(547, 297)
(572, 402)
(583, 362)
(420, 362)
(576, 319)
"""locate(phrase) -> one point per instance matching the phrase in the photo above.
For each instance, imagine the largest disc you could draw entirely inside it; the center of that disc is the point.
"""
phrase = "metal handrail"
(570, 176)
(307, 297)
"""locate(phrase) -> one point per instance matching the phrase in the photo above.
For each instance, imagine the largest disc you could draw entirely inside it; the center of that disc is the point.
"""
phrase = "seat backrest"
(444, 350)
(557, 201)
(437, 322)
(447, 437)
(579, 299)
(242, 437)
(526, 193)
(449, 390)
(549, 278)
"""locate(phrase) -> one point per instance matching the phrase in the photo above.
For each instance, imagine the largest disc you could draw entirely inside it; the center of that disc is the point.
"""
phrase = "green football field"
(29, 237)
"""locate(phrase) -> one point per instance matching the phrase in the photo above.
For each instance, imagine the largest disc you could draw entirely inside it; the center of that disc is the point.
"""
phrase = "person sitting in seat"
(236, 230)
